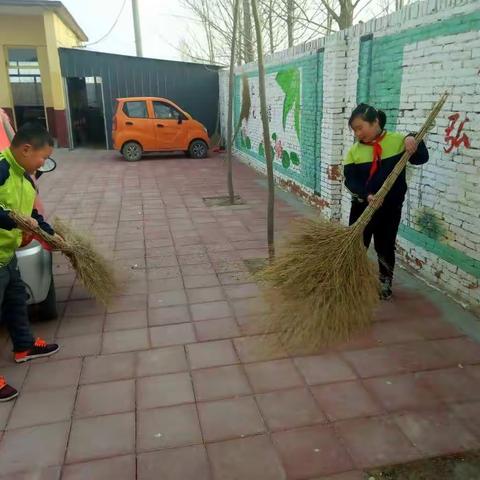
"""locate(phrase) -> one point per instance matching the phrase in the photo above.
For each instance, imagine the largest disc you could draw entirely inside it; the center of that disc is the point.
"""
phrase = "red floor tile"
(117, 468)
(451, 385)
(286, 409)
(168, 315)
(209, 311)
(161, 361)
(202, 295)
(105, 398)
(311, 451)
(274, 375)
(375, 442)
(220, 382)
(417, 356)
(170, 335)
(436, 432)
(105, 368)
(228, 419)
(217, 329)
(19, 449)
(321, 369)
(164, 391)
(461, 350)
(259, 348)
(374, 362)
(469, 414)
(189, 463)
(401, 393)
(100, 437)
(341, 401)
(211, 354)
(167, 428)
(228, 460)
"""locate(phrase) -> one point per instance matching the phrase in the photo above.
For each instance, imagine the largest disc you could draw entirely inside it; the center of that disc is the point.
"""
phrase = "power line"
(111, 28)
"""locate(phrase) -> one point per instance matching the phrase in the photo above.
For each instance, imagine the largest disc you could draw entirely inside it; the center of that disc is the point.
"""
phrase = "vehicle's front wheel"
(132, 152)
(47, 310)
(198, 149)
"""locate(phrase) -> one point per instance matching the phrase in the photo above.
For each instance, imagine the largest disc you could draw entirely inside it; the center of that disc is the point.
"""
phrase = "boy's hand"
(410, 145)
(32, 223)
(59, 239)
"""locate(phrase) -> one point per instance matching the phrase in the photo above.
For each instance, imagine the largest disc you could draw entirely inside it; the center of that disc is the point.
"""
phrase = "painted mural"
(284, 89)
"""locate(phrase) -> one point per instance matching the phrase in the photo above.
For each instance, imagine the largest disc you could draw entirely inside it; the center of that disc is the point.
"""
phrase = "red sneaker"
(6, 391)
(40, 349)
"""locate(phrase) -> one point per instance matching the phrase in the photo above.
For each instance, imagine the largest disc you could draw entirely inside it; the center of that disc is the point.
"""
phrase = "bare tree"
(217, 23)
(247, 36)
(266, 132)
(344, 18)
(286, 23)
(231, 193)
(290, 21)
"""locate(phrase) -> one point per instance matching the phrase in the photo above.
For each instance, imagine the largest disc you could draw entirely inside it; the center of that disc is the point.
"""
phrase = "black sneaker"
(386, 289)
(40, 349)
(7, 392)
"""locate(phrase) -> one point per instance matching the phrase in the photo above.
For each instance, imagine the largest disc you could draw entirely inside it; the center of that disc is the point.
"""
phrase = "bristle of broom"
(314, 285)
(93, 270)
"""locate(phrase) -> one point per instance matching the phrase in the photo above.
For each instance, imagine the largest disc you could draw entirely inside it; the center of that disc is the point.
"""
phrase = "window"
(166, 112)
(24, 73)
(135, 109)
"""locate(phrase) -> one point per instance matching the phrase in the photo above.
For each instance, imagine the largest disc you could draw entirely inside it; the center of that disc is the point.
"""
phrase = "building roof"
(54, 5)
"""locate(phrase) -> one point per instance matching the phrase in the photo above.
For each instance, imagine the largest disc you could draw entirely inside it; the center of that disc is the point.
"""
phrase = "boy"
(30, 146)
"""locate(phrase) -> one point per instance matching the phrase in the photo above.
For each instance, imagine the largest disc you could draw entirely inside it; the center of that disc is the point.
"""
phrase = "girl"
(366, 166)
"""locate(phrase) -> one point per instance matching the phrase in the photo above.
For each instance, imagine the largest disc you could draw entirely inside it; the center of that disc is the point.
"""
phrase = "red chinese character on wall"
(454, 141)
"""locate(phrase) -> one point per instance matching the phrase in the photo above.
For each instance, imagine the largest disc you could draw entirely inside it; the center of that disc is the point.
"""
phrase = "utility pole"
(136, 27)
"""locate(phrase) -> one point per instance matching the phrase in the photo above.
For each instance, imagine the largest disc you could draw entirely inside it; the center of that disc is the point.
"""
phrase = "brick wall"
(399, 63)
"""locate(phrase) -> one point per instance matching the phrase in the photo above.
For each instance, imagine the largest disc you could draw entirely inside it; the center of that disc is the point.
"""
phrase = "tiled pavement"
(169, 382)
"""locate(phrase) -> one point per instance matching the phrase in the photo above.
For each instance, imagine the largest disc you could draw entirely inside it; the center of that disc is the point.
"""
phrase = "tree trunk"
(346, 14)
(290, 21)
(270, 27)
(231, 193)
(266, 132)
(329, 18)
(247, 33)
(239, 38)
(208, 32)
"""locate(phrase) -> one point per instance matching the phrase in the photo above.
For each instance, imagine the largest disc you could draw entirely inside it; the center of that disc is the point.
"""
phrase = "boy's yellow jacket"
(18, 193)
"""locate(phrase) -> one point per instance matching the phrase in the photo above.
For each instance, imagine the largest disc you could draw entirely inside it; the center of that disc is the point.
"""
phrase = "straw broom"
(322, 287)
(94, 271)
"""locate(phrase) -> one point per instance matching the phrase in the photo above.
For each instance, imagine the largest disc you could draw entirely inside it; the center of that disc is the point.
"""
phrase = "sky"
(164, 24)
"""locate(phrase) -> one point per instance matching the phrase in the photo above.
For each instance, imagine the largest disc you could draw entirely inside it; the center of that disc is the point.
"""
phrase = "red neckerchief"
(377, 154)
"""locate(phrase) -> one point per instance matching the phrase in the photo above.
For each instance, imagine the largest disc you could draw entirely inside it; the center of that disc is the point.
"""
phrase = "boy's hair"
(369, 114)
(34, 134)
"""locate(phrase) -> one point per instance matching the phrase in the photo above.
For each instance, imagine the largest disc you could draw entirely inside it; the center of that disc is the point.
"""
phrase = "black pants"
(383, 228)
(13, 302)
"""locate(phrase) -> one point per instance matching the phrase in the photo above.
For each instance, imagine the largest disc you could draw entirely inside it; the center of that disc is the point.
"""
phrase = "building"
(31, 83)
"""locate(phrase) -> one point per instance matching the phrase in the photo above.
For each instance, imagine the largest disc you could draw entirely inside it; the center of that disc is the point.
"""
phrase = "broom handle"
(379, 197)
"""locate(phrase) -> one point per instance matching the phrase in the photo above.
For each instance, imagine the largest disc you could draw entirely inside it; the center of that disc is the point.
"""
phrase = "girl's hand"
(371, 198)
(410, 145)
